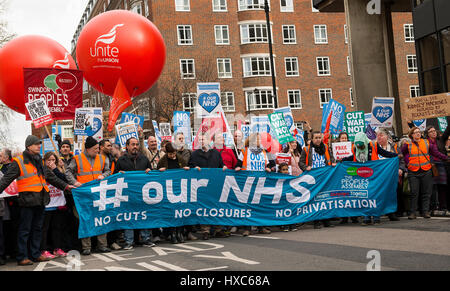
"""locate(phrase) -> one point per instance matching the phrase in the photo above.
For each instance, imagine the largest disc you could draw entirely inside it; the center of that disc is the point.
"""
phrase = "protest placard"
(182, 123)
(442, 123)
(354, 122)
(125, 131)
(428, 106)
(342, 150)
(281, 158)
(11, 190)
(208, 100)
(166, 133)
(260, 124)
(382, 112)
(288, 117)
(157, 134)
(336, 110)
(280, 129)
(39, 112)
(89, 122)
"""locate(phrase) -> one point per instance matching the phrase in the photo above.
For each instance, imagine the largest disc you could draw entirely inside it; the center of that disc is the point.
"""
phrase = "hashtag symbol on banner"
(103, 189)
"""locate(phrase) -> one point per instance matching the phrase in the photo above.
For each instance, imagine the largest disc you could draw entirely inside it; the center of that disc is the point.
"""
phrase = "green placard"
(280, 128)
(442, 121)
(354, 122)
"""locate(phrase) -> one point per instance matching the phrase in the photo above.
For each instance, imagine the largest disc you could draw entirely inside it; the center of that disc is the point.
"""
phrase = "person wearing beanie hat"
(88, 166)
(32, 178)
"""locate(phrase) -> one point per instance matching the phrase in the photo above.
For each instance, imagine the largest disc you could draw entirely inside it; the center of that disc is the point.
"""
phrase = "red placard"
(61, 89)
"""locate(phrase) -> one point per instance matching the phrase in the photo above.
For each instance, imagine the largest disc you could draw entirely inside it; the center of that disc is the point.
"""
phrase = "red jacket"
(228, 157)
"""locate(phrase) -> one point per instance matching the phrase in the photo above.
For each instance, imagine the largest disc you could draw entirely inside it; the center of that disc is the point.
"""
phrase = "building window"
(189, 101)
(295, 99)
(224, 68)
(252, 5)
(291, 65)
(412, 63)
(222, 35)
(184, 35)
(187, 68)
(414, 91)
(320, 34)
(325, 96)
(256, 66)
(259, 100)
(323, 66)
(137, 8)
(286, 6)
(219, 5)
(312, 7)
(289, 34)
(182, 5)
(345, 33)
(352, 99)
(227, 101)
(254, 33)
(125, 4)
(409, 32)
(349, 67)
(93, 100)
(86, 103)
(299, 125)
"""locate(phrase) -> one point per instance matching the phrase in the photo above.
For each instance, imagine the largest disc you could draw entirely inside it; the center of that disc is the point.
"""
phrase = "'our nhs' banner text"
(136, 200)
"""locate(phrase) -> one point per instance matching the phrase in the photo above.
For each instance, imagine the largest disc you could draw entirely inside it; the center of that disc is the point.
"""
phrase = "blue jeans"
(129, 235)
(30, 231)
(368, 218)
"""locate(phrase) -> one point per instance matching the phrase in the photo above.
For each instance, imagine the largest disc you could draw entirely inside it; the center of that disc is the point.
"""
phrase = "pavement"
(406, 245)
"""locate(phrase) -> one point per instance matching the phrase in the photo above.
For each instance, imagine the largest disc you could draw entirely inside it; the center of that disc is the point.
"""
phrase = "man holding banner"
(32, 177)
(86, 167)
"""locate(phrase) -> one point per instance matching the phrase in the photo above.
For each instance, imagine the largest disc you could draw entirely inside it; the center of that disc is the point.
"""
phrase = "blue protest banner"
(129, 117)
(337, 118)
(182, 123)
(136, 200)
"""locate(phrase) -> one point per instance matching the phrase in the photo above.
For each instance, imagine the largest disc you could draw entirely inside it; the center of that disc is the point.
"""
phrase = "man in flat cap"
(32, 181)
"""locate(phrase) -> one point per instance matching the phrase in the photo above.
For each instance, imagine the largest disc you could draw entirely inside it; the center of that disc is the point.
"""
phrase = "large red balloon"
(31, 51)
(121, 43)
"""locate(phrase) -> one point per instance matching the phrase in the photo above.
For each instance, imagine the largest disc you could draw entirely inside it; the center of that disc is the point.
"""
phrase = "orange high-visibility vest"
(29, 179)
(244, 161)
(374, 155)
(419, 156)
(327, 155)
(87, 172)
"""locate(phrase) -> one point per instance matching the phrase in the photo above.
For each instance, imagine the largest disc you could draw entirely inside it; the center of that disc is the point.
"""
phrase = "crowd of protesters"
(33, 229)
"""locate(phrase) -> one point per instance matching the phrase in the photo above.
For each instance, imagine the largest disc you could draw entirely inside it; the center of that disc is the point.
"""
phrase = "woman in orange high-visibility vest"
(417, 158)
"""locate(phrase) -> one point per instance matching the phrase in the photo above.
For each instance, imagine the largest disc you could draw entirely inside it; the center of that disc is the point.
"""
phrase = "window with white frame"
(189, 101)
(227, 101)
(414, 91)
(345, 33)
(320, 34)
(86, 103)
(137, 8)
(299, 125)
(221, 34)
(291, 66)
(224, 68)
(289, 36)
(219, 5)
(187, 68)
(146, 9)
(312, 7)
(184, 34)
(286, 6)
(259, 100)
(323, 66)
(125, 4)
(252, 4)
(256, 66)
(409, 32)
(182, 5)
(254, 33)
(325, 96)
(349, 67)
(85, 86)
(412, 63)
(294, 99)
(352, 99)
(94, 100)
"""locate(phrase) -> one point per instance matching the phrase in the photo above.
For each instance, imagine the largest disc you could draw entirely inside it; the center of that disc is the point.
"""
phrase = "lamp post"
(272, 67)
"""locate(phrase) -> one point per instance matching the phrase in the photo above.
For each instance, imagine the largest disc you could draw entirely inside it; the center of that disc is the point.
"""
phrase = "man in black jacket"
(134, 160)
(31, 203)
(205, 157)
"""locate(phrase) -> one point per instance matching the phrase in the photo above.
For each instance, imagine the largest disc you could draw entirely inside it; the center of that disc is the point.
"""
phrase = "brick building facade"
(226, 41)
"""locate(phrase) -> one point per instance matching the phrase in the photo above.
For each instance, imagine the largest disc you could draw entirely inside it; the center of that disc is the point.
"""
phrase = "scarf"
(362, 154)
